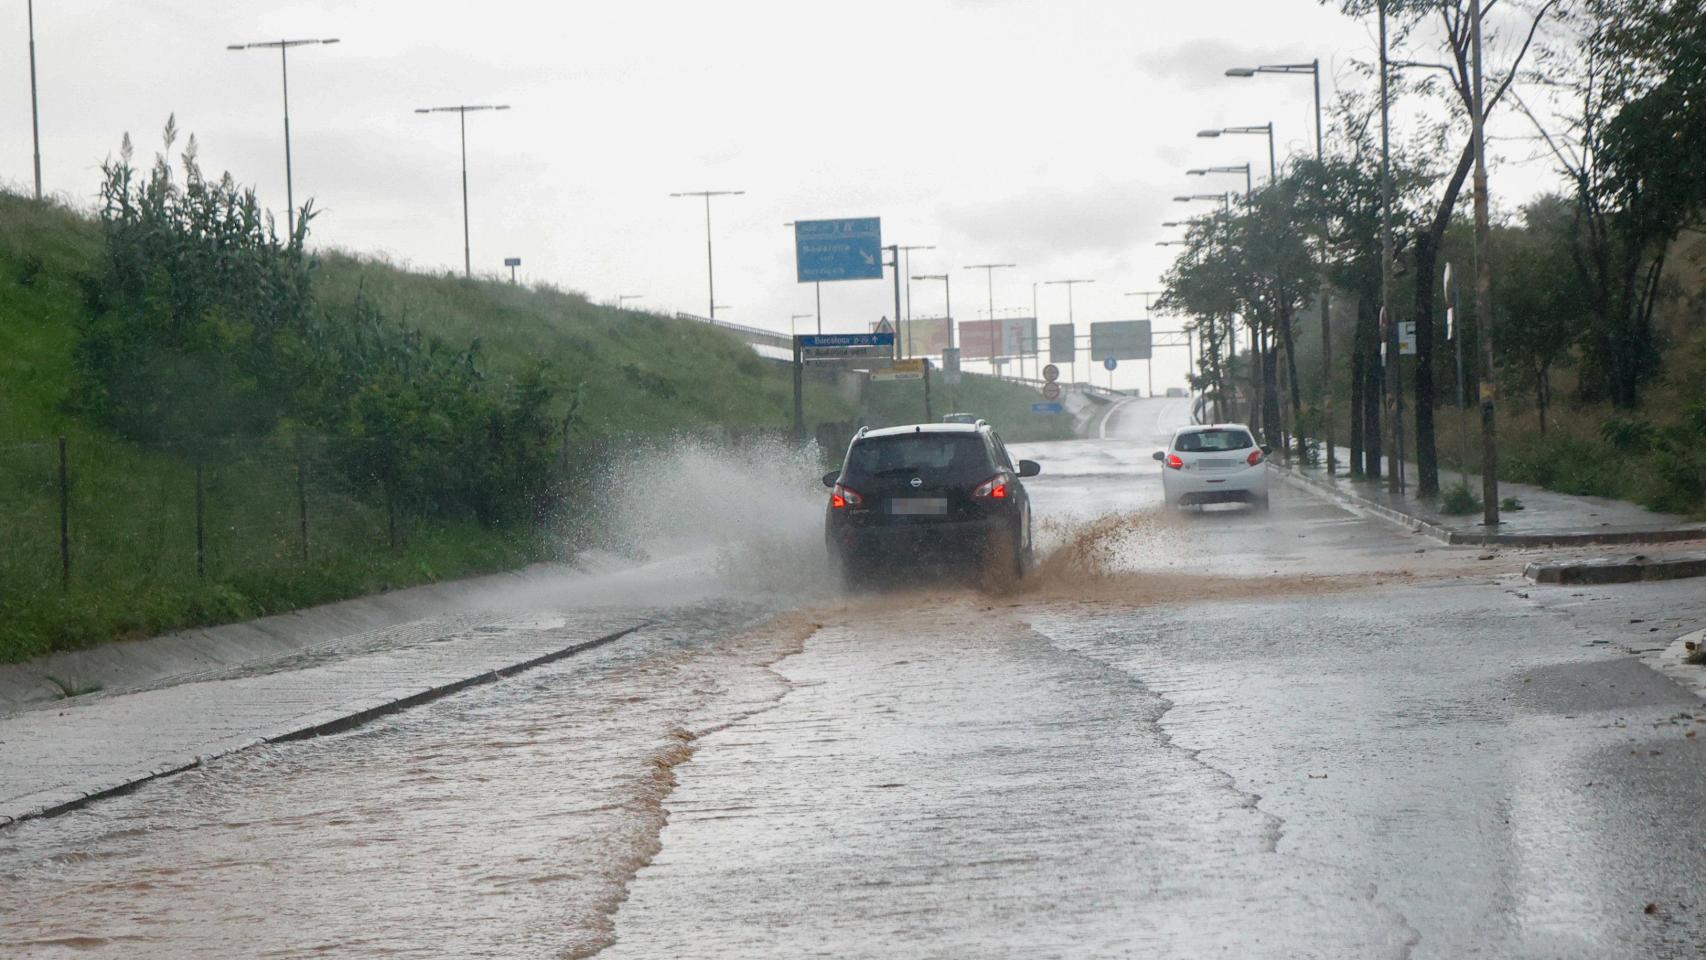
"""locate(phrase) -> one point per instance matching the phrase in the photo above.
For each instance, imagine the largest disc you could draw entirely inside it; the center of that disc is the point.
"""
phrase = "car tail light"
(1255, 457)
(1174, 462)
(843, 497)
(995, 488)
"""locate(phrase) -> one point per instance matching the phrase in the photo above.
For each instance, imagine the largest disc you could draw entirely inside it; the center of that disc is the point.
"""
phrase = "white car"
(1216, 463)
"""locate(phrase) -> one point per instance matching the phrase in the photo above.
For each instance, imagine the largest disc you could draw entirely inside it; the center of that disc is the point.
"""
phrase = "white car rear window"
(1209, 441)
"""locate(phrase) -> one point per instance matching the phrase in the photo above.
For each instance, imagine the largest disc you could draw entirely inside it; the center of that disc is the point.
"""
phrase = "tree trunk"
(1357, 378)
(1270, 396)
(1543, 392)
(1427, 258)
(1287, 341)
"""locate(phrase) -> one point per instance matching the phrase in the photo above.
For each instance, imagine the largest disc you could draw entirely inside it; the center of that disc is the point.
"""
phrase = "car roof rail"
(981, 422)
(861, 432)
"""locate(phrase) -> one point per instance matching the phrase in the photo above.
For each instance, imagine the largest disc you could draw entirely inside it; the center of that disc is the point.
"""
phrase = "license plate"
(919, 506)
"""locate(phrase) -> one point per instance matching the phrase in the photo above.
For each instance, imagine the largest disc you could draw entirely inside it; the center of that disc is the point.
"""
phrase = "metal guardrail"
(757, 335)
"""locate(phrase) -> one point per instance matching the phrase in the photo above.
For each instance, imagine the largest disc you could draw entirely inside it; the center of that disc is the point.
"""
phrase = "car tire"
(1260, 505)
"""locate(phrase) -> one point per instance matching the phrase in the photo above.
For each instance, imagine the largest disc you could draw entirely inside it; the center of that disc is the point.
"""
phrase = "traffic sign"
(1407, 338)
(1122, 339)
(1047, 408)
(1062, 343)
(1051, 391)
(912, 369)
(512, 261)
(1051, 373)
(819, 347)
(1110, 363)
(951, 366)
(838, 249)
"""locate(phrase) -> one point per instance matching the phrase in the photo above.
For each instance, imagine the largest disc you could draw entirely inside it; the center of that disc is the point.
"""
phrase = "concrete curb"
(337, 719)
(1672, 662)
(1617, 570)
(1447, 535)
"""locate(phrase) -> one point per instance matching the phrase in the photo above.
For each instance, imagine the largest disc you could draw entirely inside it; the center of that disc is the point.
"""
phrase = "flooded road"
(1214, 734)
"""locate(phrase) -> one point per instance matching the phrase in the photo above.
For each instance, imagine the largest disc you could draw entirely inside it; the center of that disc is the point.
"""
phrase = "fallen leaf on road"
(1315, 777)
(1690, 734)
(1650, 908)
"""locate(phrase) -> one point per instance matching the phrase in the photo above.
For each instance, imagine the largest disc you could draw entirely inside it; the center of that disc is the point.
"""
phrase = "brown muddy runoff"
(510, 821)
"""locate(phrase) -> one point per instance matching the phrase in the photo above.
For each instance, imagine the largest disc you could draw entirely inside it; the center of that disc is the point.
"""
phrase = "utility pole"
(894, 250)
(35, 114)
(283, 47)
(710, 270)
(1388, 279)
(462, 111)
(1484, 288)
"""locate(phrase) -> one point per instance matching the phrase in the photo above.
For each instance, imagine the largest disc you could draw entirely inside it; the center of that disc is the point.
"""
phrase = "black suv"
(934, 491)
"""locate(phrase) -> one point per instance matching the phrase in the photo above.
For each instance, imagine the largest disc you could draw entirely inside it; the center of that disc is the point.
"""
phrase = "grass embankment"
(132, 508)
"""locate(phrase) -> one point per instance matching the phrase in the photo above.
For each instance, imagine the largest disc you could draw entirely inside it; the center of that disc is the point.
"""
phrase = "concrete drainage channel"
(341, 717)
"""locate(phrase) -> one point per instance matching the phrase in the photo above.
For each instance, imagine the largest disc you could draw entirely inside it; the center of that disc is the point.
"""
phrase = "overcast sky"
(1052, 135)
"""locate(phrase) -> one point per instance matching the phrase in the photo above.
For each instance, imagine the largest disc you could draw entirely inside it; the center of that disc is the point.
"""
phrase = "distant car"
(1177, 392)
(971, 418)
(1217, 463)
(933, 491)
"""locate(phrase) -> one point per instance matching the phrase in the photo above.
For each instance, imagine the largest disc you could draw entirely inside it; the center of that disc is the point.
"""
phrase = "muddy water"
(502, 822)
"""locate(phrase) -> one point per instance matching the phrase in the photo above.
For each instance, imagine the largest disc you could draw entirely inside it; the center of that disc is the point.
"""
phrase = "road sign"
(1121, 339)
(1051, 391)
(1110, 363)
(1407, 338)
(951, 366)
(1051, 373)
(512, 261)
(838, 249)
(1051, 409)
(845, 346)
(1062, 343)
(901, 370)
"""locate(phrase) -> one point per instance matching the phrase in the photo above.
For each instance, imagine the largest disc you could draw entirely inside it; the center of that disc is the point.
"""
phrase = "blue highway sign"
(1110, 363)
(838, 249)
(1050, 408)
(820, 340)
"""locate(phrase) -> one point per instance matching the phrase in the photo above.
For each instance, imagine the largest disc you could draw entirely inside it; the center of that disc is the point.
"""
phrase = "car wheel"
(1261, 505)
(1003, 562)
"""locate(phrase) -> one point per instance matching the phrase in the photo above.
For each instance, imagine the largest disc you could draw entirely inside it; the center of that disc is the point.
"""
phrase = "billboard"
(1062, 343)
(1006, 337)
(921, 336)
(838, 249)
(1120, 339)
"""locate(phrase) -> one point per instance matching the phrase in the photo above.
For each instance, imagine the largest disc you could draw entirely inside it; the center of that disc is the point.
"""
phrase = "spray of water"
(745, 518)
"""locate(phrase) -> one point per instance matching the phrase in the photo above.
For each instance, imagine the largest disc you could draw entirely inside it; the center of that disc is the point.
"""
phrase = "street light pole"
(1388, 272)
(906, 260)
(989, 279)
(283, 47)
(710, 270)
(1072, 322)
(462, 110)
(1244, 168)
(1313, 68)
(35, 115)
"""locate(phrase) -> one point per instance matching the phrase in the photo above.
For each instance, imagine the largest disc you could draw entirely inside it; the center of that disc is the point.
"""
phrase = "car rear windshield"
(1208, 441)
(951, 454)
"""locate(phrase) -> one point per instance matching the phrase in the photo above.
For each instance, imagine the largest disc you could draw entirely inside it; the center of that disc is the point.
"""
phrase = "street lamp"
(283, 47)
(35, 117)
(1225, 203)
(1243, 168)
(989, 279)
(1070, 321)
(948, 301)
(1172, 243)
(1266, 129)
(905, 253)
(462, 110)
(710, 272)
(1313, 69)
(793, 330)
(817, 286)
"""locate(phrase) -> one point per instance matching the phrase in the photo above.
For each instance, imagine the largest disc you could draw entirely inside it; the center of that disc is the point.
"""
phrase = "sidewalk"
(1547, 518)
(58, 756)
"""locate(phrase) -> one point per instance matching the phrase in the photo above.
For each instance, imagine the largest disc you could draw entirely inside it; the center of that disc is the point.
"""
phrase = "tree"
(1637, 72)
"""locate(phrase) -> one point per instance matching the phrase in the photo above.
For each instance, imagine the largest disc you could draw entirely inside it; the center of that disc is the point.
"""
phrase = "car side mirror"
(1029, 468)
(830, 478)
(1267, 449)
(1160, 455)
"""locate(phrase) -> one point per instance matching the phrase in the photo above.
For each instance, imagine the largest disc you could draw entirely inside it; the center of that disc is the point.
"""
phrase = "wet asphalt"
(1305, 734)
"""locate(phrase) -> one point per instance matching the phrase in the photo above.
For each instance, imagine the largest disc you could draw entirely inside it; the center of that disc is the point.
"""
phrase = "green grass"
(132, 509)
